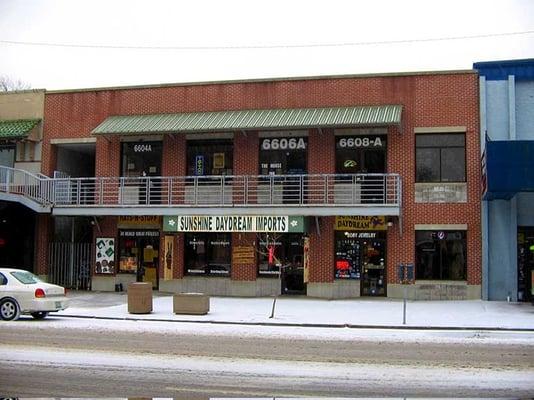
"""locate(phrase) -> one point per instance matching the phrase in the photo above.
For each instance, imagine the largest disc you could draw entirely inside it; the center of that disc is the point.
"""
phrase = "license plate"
(58, 304)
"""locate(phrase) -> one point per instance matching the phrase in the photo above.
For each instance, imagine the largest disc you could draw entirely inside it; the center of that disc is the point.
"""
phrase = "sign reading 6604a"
(283, 144)
(363, 141)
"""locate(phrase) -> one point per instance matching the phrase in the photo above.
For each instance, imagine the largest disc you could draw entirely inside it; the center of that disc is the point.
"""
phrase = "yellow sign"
(243, 255)
(139, 221)
(360, 223)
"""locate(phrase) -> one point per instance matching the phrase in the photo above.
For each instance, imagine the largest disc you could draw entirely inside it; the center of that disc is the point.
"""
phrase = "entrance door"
(525, 263)
(139, 252)
(373, 268)
(362, 255)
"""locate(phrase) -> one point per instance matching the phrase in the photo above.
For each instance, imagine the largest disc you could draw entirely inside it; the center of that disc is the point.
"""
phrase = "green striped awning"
(17, 129)
(287, 118)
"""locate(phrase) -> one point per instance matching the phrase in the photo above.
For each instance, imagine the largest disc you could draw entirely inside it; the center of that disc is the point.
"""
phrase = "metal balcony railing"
(223, 191)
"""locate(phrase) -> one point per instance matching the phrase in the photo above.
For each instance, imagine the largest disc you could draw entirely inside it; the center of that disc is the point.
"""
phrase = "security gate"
(70, 265)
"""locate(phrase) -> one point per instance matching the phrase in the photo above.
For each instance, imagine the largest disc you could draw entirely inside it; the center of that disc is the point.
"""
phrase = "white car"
(21, 292)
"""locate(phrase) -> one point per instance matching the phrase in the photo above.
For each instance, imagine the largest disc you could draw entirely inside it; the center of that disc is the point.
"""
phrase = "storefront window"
(279, 250)
(440, 158)
(208, 254)
(209, 157)
(441, 255)
(7, 155)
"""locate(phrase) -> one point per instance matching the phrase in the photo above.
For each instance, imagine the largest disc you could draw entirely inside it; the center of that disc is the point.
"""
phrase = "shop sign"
(361, 141)
(233, 223)
(142, 148)
(243, 255)
(361, 235)
(139, 233)
(283, 144)
(135, 221)
(360, 223)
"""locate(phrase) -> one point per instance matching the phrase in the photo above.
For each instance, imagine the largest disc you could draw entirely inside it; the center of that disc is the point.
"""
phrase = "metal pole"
(404, 305)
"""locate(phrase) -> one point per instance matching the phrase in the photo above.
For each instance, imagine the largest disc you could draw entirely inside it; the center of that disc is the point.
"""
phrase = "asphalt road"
(37, 361)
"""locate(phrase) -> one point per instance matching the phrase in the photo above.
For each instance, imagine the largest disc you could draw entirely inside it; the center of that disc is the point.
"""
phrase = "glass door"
(373, 253)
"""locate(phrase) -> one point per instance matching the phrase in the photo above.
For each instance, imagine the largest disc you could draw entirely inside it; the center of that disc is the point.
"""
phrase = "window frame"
(440, 149)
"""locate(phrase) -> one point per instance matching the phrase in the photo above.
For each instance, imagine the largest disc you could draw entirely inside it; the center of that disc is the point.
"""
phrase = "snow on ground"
(373, 312)
(247, 314)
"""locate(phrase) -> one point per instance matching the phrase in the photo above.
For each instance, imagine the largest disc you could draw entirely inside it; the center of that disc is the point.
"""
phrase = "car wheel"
(39, 314)
(9, 310)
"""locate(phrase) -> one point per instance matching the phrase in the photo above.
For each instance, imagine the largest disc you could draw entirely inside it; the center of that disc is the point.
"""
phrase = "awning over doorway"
(287, 118)
(17, 129)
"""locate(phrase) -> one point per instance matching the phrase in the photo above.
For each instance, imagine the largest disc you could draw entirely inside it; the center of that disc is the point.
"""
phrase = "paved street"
(66, 357)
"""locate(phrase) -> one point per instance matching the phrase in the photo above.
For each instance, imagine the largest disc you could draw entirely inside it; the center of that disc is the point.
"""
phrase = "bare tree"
(7, 84)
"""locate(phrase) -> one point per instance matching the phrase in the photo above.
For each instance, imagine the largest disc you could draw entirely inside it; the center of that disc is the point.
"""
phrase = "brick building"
(316, 186)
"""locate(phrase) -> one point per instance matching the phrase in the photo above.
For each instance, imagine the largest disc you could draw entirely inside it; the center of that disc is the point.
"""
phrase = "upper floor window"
(440, 157)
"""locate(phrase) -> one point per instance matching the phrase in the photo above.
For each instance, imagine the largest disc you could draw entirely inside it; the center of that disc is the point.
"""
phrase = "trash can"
(140, 298)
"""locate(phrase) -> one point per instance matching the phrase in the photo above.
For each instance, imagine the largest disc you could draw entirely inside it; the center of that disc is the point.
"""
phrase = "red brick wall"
(428, 100)
(43, 225)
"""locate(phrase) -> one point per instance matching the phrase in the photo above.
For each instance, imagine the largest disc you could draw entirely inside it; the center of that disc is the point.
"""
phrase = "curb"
(304, 325)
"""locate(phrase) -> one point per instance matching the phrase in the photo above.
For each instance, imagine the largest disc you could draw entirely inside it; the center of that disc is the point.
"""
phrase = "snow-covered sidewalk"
(387, 313)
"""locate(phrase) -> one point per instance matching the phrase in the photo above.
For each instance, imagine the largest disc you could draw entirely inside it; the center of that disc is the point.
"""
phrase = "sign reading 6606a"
(363, 141)
(283, 144)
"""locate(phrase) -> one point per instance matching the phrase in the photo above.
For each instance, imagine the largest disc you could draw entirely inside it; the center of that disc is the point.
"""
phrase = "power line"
(260, 47)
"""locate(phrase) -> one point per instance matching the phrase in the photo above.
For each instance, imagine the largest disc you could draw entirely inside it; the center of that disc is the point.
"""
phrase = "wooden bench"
(191, 303)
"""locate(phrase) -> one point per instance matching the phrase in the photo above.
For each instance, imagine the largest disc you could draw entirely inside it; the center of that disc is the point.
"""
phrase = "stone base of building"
(346, 289)
(222, 286)
(434, 290)
(108, 283)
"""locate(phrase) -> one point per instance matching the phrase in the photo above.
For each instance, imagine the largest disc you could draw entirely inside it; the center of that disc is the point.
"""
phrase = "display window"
(525, 263)
(139, 254)
(208, 254)
(277, 251)
(441, 255)
(210, 157)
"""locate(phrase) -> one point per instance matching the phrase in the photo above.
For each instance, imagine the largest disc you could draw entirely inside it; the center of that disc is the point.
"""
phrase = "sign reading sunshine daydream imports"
(233, 223)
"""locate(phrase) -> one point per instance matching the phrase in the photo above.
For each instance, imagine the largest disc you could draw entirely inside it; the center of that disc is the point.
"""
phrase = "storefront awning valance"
(287, 118)
(16, 129)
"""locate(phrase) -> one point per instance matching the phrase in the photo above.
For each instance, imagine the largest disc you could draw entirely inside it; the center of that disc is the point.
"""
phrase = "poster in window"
(218, 160)
(105, 256)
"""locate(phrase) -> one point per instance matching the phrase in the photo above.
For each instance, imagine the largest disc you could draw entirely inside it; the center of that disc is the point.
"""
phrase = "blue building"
(507, 140)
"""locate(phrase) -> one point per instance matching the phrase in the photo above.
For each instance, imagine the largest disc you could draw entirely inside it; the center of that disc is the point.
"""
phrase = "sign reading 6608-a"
(283, 144)
(363, 141)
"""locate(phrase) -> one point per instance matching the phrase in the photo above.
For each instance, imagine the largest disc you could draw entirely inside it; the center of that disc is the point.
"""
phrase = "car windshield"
(25, 277)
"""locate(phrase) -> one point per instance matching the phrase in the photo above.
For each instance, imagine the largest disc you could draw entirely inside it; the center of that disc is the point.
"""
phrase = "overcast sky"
(127, 42)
